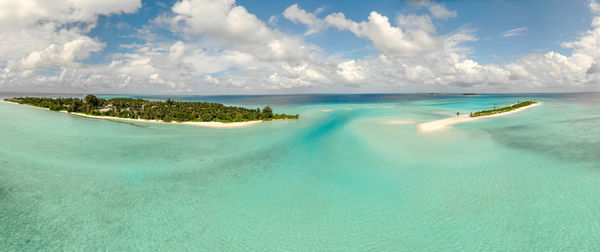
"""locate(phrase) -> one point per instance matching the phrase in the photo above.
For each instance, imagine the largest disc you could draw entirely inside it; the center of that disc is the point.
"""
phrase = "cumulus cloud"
(157, 64)
(60, 55)
(51, 36)
(298, 15)
(220, 45)
(222, 19)
(440, 11)
(262, 57)
(437, 10)
(34, 25)
(594, 6)
(238, 41)
(555, 70)
(416, 22)
(351, 72)
(233, 24)
(413, 53)
(17, 14)
(385, 37)
(594, 68)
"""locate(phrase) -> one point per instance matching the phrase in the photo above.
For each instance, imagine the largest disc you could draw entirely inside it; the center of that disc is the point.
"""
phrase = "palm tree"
(457, 113)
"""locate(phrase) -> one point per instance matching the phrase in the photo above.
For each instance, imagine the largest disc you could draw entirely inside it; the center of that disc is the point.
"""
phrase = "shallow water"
(340, 178)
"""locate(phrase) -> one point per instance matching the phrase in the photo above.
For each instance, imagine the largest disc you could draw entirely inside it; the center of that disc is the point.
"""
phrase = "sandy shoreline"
(201, 124)
(440, 124)
(2, 100)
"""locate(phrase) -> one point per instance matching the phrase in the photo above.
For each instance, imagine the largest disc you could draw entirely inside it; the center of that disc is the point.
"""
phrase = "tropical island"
(503, 109)
(439, 124)
(197, 113)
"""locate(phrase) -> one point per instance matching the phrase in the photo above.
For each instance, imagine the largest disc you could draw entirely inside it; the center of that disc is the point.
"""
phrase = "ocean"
(343, 177)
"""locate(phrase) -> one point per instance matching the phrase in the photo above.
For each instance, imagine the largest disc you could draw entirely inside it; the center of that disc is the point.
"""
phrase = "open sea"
(341, 178)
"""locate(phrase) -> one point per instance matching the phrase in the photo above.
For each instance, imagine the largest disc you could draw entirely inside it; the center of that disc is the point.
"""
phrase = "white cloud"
(222, 19)
(387, 38)
(594, 6)
(261, 56)
(219, 45)
(301, 75)
(443, 61)
(351, 72)
(273, 20)
(51, 36)
(232, 23)
(594, 69)
(515, 32)
(297, 15)
(16, 14)
(60, 55)
(437, 10)
(34, 25)
(416, 22)
(441, 12)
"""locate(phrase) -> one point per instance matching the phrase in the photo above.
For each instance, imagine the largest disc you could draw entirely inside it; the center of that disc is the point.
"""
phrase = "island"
(440, 124)
(169, 111)
(503, 109)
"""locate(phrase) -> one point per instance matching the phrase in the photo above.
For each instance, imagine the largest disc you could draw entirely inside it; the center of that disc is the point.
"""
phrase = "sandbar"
(440, 124)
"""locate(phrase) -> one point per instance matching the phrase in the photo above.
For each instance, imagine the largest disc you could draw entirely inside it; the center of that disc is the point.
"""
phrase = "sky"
(208, 47)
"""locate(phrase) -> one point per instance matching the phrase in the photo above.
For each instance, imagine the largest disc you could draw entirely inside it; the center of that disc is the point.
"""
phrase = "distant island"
(469, 94)
(440, 124)
(158, 111)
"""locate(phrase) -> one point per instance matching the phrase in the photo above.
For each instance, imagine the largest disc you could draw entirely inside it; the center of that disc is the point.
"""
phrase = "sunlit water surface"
(341, 178)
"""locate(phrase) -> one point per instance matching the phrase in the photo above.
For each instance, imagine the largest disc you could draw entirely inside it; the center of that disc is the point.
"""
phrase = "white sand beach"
(202, 124)
(440, 124)
(2, 100)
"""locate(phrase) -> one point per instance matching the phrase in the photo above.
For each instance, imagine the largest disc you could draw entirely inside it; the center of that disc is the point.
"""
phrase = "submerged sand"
(440, 124)
(400, 122)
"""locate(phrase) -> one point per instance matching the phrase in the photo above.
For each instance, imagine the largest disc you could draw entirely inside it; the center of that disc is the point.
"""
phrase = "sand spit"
(440, 124)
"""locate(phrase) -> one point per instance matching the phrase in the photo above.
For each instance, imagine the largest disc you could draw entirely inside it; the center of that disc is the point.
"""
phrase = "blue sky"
(496, 38)
(548, 24)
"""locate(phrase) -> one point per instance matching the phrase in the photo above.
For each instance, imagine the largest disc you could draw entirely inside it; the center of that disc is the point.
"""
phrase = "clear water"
(340, 178)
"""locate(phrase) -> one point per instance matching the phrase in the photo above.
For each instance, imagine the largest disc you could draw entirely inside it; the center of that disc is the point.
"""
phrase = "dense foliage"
(503, 109)
(167, 111)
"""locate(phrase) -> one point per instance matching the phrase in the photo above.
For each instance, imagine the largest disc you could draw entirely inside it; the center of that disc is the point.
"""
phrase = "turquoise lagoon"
(342, 178)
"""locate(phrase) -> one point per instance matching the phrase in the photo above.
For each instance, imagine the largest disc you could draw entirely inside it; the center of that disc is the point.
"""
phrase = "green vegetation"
(502, 110)
(469, 94)
(167, 111)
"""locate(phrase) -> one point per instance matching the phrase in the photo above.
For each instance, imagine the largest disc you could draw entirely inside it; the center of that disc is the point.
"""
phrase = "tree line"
(502, 110)
(167, 111)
